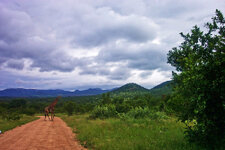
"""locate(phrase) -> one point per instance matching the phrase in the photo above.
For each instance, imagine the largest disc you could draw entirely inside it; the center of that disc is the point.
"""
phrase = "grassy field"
(8, 125)
(141, 134)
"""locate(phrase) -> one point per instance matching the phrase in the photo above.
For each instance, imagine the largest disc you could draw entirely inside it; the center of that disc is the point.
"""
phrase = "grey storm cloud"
(120, 72)
(148, 58)
(109, 39)
(125, 58)
(145, 74)
(96, 70)
(107, 26)
(21, 39)
(16, 64)
(14, 25)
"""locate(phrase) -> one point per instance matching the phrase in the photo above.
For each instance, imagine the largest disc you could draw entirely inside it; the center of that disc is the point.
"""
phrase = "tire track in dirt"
(39, 135)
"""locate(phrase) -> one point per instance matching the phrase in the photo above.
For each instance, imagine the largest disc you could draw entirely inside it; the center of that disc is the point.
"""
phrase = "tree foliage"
(200, 82)
(103, 112)
(69, 107)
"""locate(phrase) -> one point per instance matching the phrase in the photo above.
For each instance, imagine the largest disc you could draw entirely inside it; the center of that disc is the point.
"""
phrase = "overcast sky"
(80, 44)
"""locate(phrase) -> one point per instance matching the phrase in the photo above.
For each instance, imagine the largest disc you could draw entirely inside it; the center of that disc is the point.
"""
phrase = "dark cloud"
(15, 64)
(147, 58)
(119, 72)
(110, 28)
(126, 58)
(145, 74)
(14, 25)
(95, 70)
(42, 55)
(19, 39)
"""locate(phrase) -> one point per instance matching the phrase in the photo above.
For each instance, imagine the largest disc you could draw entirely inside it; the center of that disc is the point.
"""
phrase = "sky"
(74, 44)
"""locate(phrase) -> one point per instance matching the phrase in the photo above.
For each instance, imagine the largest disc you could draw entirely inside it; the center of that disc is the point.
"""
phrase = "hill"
(164, 88)
(130, 88)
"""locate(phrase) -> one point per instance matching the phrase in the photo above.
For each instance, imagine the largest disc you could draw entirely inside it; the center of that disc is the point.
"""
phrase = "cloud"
(145, 74)
(110, 26)
(15, 64)
(14, 25)
(21, 39)
(82, 43)
(142, 57)
(120, 73)
(111, 71)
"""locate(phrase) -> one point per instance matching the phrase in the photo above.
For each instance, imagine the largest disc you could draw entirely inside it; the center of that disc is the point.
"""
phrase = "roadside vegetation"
(129, 133)
(6, 125)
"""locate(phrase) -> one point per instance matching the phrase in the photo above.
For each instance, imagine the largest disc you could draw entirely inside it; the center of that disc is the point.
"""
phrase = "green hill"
(130, 88)
(164, 88)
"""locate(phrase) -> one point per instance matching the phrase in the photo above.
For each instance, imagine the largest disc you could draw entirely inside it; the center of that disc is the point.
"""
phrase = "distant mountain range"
(93, 91)
(161, 89)
(20, 92)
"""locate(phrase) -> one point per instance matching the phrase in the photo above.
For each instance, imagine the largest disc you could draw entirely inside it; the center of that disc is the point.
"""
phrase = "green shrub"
(29, 111)
(2, 110)
(139, 112)
(123, 108)
(103, 112)
(11, 116)
(158, 115)
(69, 107)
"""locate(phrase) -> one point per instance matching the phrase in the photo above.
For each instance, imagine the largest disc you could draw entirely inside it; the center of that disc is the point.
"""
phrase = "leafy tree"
(200, 82)
(29, 111)
(69, 107)
(103, 112)
(18, 103)
(106, 98)
(123, 108)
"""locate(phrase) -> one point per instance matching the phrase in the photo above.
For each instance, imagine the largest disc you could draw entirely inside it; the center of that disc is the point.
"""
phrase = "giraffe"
(50, 109)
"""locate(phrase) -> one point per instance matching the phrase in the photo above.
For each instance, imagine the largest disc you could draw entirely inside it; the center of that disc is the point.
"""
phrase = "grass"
(141, 134)
(6, 125)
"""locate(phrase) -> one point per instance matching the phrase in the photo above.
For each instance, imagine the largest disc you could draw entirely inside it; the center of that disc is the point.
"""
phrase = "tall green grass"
(10, 124)
(133, 134)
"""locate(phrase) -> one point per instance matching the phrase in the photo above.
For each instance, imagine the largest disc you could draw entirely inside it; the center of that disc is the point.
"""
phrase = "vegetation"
(164, 88)
(10, 124)
(103, 112)
(132, 134)
(200, 92)
(69, 107)
(140, 113)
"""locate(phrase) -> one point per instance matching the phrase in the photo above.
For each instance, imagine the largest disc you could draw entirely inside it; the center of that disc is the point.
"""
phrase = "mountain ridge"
(21, 92)
(163, 88)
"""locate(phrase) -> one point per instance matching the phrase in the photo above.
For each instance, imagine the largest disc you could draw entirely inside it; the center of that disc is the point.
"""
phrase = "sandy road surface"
(40, 135)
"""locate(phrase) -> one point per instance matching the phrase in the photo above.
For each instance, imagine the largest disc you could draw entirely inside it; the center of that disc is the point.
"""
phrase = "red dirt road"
(40, 135)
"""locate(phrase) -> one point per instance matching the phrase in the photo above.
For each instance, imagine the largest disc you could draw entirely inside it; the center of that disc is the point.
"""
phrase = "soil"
(40, 135)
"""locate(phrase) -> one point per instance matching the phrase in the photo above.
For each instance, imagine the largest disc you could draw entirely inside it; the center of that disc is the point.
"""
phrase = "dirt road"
(40, 135)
